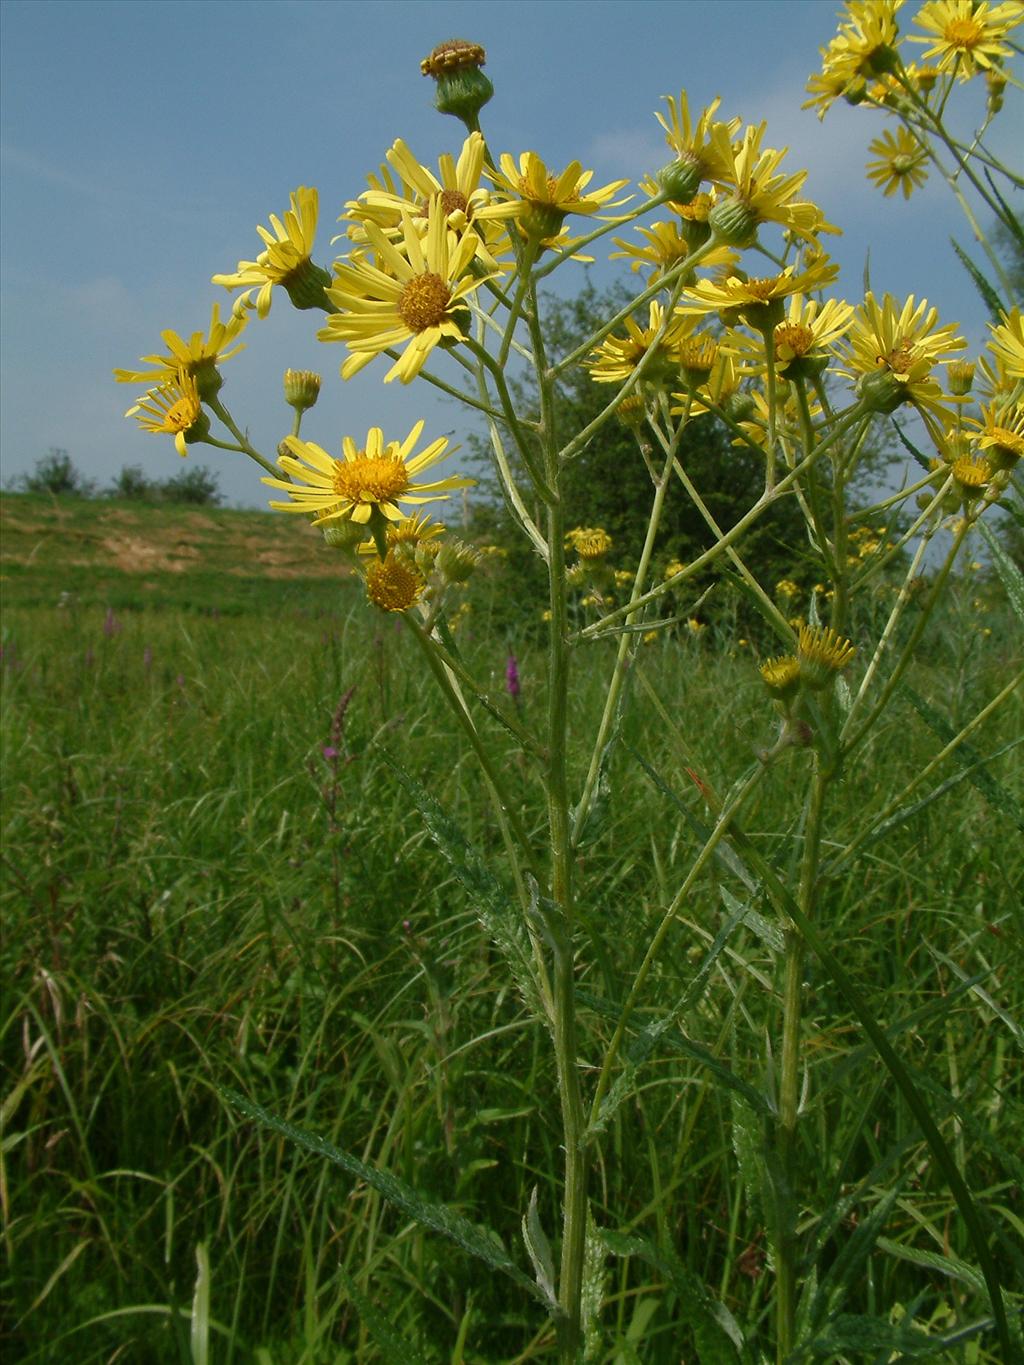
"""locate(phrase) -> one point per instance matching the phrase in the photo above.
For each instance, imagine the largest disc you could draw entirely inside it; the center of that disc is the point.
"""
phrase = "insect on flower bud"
(462, 88)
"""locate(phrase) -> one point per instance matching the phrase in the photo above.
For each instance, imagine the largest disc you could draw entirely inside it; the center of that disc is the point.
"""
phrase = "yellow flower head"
(900, 162)
(1007, 343)
(806, 334)
(758, 194)
(902, 345)
(1001, 433)
(286, 259)
(862, 48)
(373, 479)
(617, 357)
(198, 357)
(782, 675)
(967, 37)
(409, 533)
(701, 148)
(393, 584)
(172, 409)
(709, 296)
(547, 198)
(455, 192)
(667, 245)
(415, 293)
(590, 542)
(822, 653)
(972, 473)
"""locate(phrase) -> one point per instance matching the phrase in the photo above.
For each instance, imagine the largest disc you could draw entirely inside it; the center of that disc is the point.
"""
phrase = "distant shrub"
(197, 486)
(55, 473)
(133, 484)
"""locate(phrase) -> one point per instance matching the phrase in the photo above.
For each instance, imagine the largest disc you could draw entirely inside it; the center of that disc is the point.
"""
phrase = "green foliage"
(133, 484)
(214, 879)
(55, 473)
(197, 486)
(609, 484)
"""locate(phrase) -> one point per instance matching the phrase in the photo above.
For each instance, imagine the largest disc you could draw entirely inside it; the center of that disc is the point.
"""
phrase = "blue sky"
(142, 142)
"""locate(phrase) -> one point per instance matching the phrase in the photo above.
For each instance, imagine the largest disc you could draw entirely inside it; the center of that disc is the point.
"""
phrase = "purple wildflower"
(512, 678)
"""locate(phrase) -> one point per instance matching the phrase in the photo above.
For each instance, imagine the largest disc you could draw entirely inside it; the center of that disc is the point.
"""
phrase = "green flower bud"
(681, 179)
(208, 379)
(306, 284)
(343, 535)
(881, 391)
(462, 88)
(301, 389)
(734, 222)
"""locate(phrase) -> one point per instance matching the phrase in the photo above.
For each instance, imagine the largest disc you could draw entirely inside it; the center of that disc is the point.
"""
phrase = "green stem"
(516, 840)
(611, 701)
(789, 1076)
(216, 406)
(574, 1194)
(850, 738)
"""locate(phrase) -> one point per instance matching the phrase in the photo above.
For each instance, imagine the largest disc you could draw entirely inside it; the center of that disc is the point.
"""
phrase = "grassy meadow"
(216, 876)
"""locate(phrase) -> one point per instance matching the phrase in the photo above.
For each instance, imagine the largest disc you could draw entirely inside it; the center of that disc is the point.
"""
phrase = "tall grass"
(215, 879)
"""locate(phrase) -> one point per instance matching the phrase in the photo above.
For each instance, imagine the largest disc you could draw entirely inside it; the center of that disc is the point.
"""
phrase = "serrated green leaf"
(1010, 576)
(934, 1260)
(748, 1139)
(846, 1268)
(769, 934)
(394, 1348)
(989, 297)
(909, 446)
(860, 1336)
(482, 1243)
(592, 1294)
(502, 922)
(717, 1333)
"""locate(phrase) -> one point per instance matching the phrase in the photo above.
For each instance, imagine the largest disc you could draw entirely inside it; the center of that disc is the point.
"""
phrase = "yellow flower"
(1007, 343)
(172, 409)
(285, 261)
(419, 302)
(702, 149)
(455, 192)
(707, 296)
(547, 198)
(900, 163)
(786, 588)
(782, 675)
(369, 483)
(198, 357)
(807, 332)
(1001, 433)
(822, 653)
(722, 382)
(589, 542)
(759, 194)
(862, 48)
(393, 584)
(667, 244)
(409, 533)
(972, 473)
(966, 36)
(617, 357)
(894, 350)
